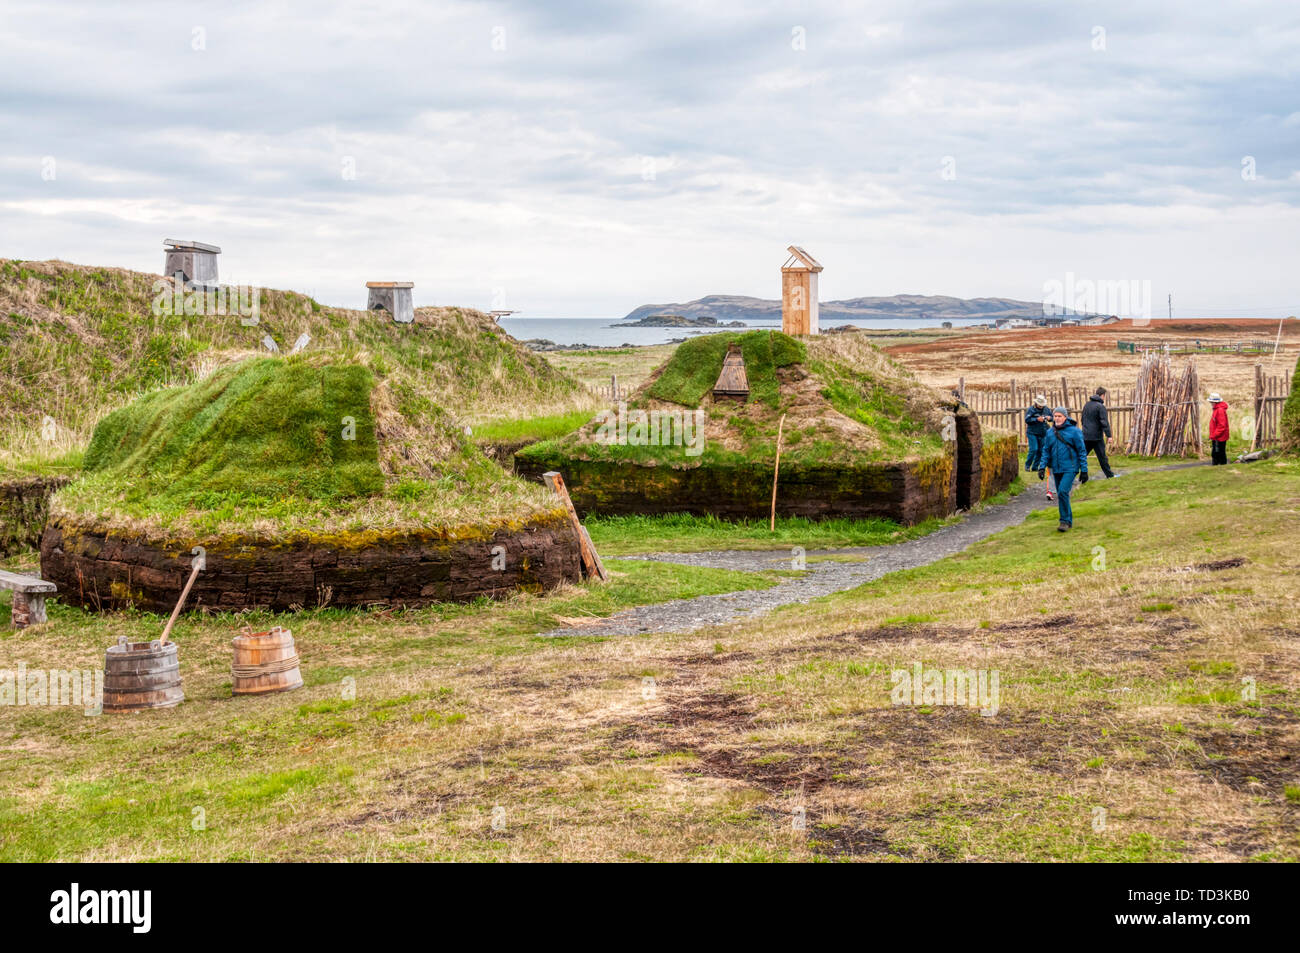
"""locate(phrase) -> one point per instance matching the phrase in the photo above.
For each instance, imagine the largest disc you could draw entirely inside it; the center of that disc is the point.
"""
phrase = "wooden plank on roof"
(733, 381)
(179, 245)
(806, 258)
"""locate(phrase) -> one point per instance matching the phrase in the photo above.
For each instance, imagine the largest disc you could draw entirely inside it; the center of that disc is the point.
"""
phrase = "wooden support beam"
(591, 563)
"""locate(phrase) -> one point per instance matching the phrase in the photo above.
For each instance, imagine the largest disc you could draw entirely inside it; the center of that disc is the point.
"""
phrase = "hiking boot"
(1049, 496)
(1063, 527)
(1042, 474)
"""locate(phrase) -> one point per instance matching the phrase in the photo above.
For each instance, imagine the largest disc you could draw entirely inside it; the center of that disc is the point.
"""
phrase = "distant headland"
(724, 308)
(678, 321)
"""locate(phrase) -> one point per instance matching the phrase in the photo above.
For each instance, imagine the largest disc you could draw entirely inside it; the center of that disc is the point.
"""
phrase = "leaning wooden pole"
(586, 550)
(776, 472)
(194, 574)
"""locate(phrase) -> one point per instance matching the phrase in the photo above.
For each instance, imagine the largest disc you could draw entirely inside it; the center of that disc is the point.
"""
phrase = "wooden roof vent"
(393, 297)
(194, 263)
(799, 312)
(733, 382)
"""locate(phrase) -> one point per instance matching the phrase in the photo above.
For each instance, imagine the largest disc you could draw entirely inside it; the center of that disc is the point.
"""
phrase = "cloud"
(591, 156)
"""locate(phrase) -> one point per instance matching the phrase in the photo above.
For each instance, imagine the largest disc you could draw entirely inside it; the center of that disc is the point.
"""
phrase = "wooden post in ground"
(1065, 394)
(961, 389)
(590, 560)
(776, 472)
(1259, 406)
(613, 386)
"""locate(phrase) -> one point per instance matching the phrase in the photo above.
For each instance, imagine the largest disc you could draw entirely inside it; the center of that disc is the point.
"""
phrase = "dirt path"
(820, 578)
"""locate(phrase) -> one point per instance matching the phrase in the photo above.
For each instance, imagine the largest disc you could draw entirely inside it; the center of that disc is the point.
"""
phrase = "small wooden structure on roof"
(192, 262)
(733, 382)
(393, 297)
(799, 292)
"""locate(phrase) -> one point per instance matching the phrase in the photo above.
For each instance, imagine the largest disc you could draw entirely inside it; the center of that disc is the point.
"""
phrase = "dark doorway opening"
(970, 443)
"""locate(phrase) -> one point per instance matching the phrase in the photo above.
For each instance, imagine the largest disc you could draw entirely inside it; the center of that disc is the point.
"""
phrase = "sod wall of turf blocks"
(972, 468)
(24, 506)
(999, 462)
(104, 569)
(1289, 422)
(904, 492)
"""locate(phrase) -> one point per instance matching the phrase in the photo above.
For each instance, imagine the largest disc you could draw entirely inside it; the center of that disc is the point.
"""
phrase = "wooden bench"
(29, 597)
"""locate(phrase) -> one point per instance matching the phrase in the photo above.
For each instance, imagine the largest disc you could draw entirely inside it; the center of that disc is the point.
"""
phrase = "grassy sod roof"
(844, 402)
(273, 446)
(1289, 423)
(689, 375)
(77, 342)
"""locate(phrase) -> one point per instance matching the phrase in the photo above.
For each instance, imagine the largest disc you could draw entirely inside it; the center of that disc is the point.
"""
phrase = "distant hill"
(906, 307)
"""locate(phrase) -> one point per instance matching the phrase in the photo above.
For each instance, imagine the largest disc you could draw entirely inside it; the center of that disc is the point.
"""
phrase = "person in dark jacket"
(1218, 431)
(1037, 420)
(1066, 457)
(1095, 424)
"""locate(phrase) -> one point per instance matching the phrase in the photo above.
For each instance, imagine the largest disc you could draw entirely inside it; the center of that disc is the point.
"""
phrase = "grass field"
(1149, 700)
(1088, 357)
(631, 365)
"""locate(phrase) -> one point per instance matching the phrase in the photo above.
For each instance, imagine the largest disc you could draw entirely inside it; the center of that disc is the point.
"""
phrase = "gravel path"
(819, 579)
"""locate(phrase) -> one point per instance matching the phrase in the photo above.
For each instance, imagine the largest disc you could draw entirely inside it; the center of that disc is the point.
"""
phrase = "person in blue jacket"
(1037, 420)
(1066, 456)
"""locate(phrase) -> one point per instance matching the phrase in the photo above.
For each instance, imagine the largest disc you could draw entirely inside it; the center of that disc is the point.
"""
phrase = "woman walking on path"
(1218, 431)
(1066, 457)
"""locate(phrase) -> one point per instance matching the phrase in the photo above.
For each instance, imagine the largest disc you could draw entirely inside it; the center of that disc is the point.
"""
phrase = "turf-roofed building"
(860, 437)
(307, 481)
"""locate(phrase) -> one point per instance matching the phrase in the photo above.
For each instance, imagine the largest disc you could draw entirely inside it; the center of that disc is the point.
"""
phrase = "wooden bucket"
(264, 662)
(141, 675)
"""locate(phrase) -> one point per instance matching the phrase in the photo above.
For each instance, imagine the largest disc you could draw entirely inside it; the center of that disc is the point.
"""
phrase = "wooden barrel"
(141, 675)
(264, 662)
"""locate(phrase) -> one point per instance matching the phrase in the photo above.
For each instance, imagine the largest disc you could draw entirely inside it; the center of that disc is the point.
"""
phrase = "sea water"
(610, 332)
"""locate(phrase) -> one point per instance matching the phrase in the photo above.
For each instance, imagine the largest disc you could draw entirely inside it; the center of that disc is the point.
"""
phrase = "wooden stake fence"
(1165, 408)
(612, 391)
(1002, 406)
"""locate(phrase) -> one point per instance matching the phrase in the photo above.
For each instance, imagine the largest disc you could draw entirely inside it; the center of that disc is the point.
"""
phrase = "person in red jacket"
(1218, 430)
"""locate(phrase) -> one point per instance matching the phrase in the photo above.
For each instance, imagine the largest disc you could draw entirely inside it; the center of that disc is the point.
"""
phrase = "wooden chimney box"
(799, 292)
(393, 297)
(192, 262)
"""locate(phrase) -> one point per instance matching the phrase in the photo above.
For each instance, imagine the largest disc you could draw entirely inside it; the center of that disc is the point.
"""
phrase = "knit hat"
(1215, 398)
(1062, 411)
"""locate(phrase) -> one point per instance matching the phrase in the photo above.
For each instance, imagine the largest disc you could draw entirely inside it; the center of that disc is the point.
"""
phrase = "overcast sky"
(579, 159)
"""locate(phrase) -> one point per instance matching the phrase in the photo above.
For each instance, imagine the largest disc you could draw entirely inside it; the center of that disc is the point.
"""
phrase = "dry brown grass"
(1107, 700)
(1088, 356)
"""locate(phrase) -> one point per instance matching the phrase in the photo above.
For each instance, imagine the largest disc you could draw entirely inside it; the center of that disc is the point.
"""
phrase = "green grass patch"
(682, 532)
(529, 428)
